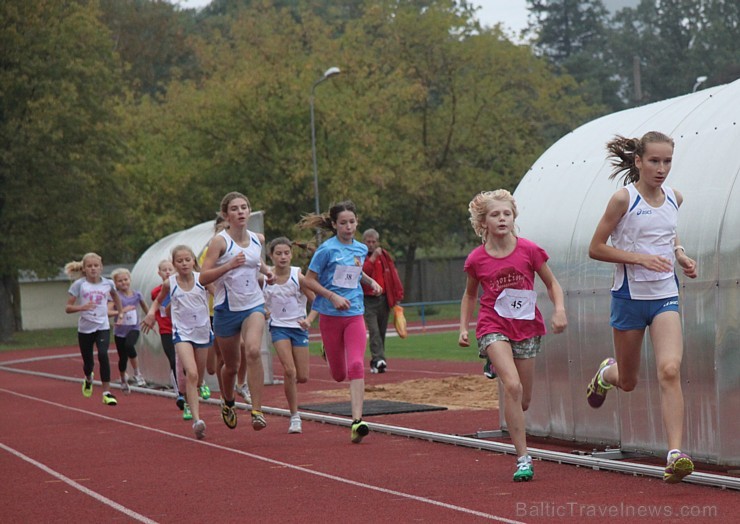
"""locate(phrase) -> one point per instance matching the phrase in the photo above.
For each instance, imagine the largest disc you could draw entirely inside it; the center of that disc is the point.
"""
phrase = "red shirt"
(378, 273)
(163, 320)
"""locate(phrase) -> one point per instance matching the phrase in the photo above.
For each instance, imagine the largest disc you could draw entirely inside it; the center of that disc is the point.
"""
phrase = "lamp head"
(332, 71)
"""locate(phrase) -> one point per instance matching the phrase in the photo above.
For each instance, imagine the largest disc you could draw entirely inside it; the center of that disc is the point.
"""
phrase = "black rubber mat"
(370, 407)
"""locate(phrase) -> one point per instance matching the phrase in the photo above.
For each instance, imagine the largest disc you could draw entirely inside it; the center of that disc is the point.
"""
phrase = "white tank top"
(238, 289)
(189, 311)
(649, 230)
(286, 302)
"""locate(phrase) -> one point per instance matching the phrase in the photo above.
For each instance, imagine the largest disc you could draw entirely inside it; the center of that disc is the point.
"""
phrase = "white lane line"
(38, 359)
(97, 496)
(286, 465)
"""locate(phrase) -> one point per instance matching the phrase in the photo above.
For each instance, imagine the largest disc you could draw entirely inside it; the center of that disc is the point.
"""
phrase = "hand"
(377, 290)
(87, 306)
(304, 323)
(687, 264)
(378, 251)
(128, 308)
(238, 260)
(270, 277)
(462, 340)
(558, 322)
(656, 263)
(339, 302)
(147, 323)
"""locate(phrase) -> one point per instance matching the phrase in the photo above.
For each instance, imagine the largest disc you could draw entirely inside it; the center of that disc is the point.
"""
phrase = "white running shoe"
(243, 391)
(140, 380)
(125, 387)
(199, 428)
(295, 424)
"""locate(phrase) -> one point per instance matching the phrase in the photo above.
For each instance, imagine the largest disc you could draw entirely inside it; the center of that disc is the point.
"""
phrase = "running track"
(65, 458)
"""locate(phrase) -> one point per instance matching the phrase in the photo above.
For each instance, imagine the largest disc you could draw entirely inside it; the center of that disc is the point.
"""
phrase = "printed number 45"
(516, 304)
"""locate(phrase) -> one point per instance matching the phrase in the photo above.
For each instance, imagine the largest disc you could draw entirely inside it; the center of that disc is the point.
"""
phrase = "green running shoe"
(524, 470)
(205, 391)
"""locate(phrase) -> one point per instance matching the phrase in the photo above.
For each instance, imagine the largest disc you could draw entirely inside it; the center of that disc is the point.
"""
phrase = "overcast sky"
(512, 13)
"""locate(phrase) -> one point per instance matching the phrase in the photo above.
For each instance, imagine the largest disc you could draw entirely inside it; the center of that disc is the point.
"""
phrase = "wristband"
(676, 248)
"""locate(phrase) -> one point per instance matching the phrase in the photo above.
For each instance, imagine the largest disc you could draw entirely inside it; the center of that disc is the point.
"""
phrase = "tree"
(575, 35)
(438, 111)
(151, 39)
(428, 111)
(676, 41)
(58, 94)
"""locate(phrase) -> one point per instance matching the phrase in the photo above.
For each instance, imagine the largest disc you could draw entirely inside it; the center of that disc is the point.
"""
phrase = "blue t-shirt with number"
(339, 268)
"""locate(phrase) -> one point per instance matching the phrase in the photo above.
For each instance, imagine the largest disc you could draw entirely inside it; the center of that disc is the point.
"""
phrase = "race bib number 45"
(517, 304)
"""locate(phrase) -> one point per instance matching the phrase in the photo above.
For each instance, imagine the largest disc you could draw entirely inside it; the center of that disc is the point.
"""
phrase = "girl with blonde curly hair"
(509, 326)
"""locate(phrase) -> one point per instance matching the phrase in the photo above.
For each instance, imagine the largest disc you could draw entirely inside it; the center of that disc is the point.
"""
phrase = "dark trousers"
(169, 349)
(87, 342)
(126, 347)
(376, 320)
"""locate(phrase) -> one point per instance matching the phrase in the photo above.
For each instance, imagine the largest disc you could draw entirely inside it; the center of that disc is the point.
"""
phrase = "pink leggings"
(344, 343)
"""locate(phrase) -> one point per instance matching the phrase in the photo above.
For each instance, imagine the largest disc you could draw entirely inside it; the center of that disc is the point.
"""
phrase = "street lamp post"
(332, 71)
(699, 81)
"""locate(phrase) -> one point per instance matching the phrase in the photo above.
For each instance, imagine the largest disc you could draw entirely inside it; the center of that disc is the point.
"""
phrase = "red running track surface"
(66, 458)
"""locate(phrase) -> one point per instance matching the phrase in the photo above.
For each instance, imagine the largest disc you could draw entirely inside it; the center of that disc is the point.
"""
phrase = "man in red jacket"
(379, 266)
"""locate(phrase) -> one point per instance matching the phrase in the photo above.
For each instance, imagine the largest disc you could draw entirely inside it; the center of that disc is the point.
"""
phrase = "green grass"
(434, 312)
(41, 338)
(428, 346)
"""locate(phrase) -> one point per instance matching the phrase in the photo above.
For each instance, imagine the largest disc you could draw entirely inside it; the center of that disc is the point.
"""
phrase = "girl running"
(233, 262)
(641, 219)
(126, 334)
(286, 302)
(334, 275)
(510, 326)
(164, 324)
(191, 324)
(89, 295)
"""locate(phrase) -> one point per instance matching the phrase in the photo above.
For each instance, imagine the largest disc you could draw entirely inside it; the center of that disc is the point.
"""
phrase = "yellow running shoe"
(109, 399)
(597, 389)
(228, 413)
(679, 466)
(360, 430)
(87, 386)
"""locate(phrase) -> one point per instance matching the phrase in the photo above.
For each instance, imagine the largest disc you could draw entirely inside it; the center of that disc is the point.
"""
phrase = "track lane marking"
(79, 487)
(274, 462)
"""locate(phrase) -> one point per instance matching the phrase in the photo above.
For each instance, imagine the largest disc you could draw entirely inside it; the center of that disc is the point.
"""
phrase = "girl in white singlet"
(234, 264)
(191, 325)
(286, 301)
(641, 220)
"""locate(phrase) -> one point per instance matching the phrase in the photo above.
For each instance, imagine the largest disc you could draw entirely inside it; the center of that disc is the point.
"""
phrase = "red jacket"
(393, 289)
